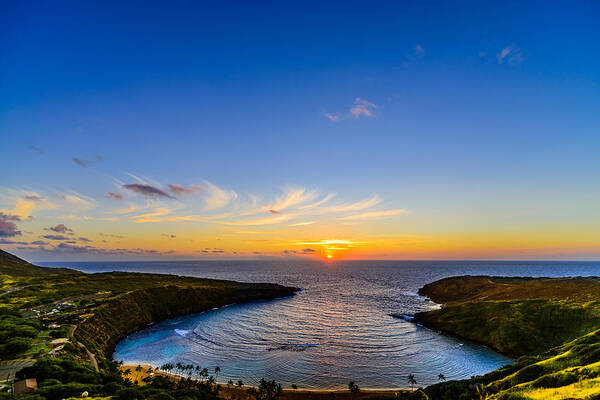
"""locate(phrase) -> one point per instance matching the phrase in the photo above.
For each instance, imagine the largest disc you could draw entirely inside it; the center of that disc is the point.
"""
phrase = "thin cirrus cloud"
(78, 201)
(419, 50)
(60, 228)
(303, 223)
(86, 162)
(157, 213)
(56, 237)
(294, 203)
(373, 214)
(292, 197)
(37, 149)
(511, 53)
(178, 189)
(115, 195)
(147, 190)
(318, 203)
(360, 205)
(360, 108)
(216, 197)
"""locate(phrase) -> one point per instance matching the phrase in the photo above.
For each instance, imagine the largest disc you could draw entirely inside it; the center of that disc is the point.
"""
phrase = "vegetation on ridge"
(553, 324)
(60, 325)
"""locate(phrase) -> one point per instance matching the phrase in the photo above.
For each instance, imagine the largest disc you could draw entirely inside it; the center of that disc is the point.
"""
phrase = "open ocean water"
(337, 329)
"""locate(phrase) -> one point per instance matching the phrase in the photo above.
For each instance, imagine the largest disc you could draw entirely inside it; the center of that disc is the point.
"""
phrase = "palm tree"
(138, 369)
(412, 381)
(127, 372)
(230, 383)
(204, 373)
(217, 370)
(240, 383)
(210, 381)
(441, 377)
(354, 389)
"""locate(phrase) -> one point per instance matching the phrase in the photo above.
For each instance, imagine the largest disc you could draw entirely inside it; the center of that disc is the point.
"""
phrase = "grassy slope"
(118, 303)
(554, 324)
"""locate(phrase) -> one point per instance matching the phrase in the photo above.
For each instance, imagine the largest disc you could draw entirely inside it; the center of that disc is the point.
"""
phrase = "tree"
(441, 377)
(354, 389)
(138, 369)
(217, 370)
(412, 380)
(230, 383)
(267, 390)
(204, 373)
(166, 367)
(240, 383)
(294, 386)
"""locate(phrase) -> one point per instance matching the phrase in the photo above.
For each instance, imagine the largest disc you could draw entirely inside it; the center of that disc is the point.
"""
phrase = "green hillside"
(89, 313)
(553, 325)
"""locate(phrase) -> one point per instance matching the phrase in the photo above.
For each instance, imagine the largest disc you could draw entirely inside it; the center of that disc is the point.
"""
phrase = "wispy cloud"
(38, 150)
(57, 237)
(274, 219)
(115, 195)
(307, 251)
(216, 197)
(419, 50)
(303, 223)
(318, 203)
(78, 201)
(178, 190)
(157, 213)
(25, 202)
(360, 205)
(147, 190)
(83, 162)
(60, 228)
(360, 108)
(374, 214)
(292, 197)
(33, 197)
(510, 53)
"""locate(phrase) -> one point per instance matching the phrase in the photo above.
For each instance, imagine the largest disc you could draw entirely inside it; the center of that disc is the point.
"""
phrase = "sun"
(329, 256)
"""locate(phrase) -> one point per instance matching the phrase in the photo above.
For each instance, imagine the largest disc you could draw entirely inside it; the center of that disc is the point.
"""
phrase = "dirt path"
(11, 290)
(91, 355)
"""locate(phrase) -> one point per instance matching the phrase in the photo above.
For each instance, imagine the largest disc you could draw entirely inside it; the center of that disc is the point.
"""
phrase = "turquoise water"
(337, 329)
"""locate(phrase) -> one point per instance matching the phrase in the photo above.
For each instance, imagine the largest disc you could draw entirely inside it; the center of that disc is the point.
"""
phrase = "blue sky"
(471, 117)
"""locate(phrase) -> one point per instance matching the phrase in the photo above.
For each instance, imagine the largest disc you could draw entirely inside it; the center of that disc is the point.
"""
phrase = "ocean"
(337, 329)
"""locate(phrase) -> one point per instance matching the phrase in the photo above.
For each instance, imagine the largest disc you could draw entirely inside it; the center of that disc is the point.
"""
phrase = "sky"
(344, 130)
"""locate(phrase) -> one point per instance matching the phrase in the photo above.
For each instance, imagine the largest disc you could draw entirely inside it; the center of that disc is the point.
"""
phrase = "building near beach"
(25, 386)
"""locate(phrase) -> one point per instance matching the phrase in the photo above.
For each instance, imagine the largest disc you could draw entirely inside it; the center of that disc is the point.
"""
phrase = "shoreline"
(288, 393)
(112, 349)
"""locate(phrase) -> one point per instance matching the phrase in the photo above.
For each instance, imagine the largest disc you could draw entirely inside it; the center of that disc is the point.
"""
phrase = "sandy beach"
(240, 393)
